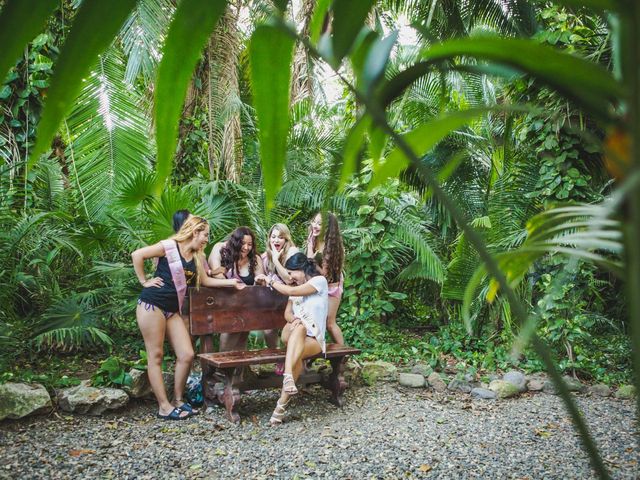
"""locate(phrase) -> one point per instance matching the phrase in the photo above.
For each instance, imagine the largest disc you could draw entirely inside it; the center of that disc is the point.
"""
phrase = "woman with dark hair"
(179, 217)
(179, 266)
(328, 252)
(238, 259)
(306, 316)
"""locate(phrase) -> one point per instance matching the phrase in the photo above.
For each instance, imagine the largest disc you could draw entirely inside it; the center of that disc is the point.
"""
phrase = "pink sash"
(176, 268)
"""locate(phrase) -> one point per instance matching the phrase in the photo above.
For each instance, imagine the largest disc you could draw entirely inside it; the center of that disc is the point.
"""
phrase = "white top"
(313, 309)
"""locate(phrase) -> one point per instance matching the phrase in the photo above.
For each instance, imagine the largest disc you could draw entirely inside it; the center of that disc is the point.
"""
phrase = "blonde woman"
(280, 248)
(158, 313)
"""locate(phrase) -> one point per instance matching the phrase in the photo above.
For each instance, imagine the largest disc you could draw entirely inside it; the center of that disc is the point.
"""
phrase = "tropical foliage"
(480, 154)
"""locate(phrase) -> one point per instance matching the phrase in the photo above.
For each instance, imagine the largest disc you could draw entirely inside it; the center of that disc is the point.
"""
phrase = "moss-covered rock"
(18, 400)
(626, 392)
(504, 389)
(379, 371)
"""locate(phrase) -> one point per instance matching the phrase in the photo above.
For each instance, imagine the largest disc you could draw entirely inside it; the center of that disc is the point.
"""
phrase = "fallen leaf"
(81, 451)
(220, 452)
(425, 468)
(195, 466)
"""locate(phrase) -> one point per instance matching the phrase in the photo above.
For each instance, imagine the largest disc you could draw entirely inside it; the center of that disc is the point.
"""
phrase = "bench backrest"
(227, 310)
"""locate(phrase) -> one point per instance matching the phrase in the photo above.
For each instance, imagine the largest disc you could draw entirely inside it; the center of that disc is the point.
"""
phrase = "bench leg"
(208, 384)
(230, 395)
(336, 382)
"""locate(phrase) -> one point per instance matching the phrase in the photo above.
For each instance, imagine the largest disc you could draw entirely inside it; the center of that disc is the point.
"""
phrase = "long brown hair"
(333, 253)
(230, 252)
(190, 228)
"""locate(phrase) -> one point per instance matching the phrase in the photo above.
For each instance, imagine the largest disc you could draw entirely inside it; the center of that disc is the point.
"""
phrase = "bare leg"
(299, 347)
(332, 324)
(152, 325)
(181, 343)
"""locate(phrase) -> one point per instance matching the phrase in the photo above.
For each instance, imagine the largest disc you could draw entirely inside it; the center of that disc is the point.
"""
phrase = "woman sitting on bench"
(306, 316)
(179, 266)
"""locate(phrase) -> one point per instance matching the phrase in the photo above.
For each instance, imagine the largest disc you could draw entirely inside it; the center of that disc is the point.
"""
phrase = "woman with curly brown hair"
(328, 252)
(236, 258)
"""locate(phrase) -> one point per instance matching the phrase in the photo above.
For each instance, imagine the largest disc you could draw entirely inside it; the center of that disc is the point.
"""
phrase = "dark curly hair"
(230, 252)
(299, 261)
(333, 252)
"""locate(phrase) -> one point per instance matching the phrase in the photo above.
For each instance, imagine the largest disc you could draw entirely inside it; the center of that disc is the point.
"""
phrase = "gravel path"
(383, 432)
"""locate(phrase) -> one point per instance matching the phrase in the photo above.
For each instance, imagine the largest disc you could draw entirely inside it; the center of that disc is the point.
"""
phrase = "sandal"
(174, 415)
(289, 384)
(187, 407)
(278, 413)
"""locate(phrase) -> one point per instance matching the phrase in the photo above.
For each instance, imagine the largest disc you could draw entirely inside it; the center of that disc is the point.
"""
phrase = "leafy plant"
(112, 372)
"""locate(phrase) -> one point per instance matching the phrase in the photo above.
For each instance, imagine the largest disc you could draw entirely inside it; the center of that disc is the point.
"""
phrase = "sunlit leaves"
(93, 30)
(193, 22)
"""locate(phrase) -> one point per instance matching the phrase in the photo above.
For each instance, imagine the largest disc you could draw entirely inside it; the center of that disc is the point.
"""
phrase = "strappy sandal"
(289, 384)
(278, 413)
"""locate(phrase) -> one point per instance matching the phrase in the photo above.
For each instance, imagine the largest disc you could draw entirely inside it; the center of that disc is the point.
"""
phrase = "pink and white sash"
(176, 268)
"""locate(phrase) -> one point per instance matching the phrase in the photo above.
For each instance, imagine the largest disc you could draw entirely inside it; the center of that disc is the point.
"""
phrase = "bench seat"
(267, 355)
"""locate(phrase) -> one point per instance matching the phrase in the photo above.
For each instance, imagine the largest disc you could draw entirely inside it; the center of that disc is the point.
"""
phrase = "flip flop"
(175, 415)
(187, 407)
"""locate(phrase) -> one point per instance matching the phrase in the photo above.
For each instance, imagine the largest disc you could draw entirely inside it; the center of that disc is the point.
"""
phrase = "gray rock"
(573, 384)
(435, 380)
(458, 385)
(91, 400)
(140, 386)
(503, 389)
(379, 371)
(516, 378)
(412, 380)
(484, 394)
(422, 369)
(626, 392)
(115, 398)
(352, 372)
(535, 384)
(600, 390)
(549, 387)
(18, 400)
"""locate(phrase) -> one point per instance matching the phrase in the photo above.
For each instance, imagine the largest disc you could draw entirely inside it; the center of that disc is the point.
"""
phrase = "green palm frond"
(70, 324)
(136, 188)
(49, 184)
(109, 133)
(411, 231)
(586, 232)
(142, 37)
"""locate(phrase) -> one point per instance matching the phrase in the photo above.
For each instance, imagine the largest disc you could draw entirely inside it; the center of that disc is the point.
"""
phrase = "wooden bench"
(226, 310)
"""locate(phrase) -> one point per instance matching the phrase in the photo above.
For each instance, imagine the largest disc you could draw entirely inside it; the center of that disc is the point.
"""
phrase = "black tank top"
(166, 296)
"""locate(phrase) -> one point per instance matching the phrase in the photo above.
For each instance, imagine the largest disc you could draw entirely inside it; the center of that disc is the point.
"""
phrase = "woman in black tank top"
(157, 310)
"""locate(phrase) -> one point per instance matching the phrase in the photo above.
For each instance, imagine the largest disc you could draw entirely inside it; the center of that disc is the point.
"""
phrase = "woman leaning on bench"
(180, 265)
(306, 316)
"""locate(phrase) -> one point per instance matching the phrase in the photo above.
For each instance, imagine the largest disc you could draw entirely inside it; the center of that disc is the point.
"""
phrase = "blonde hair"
(288, 243)
(190, 228)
